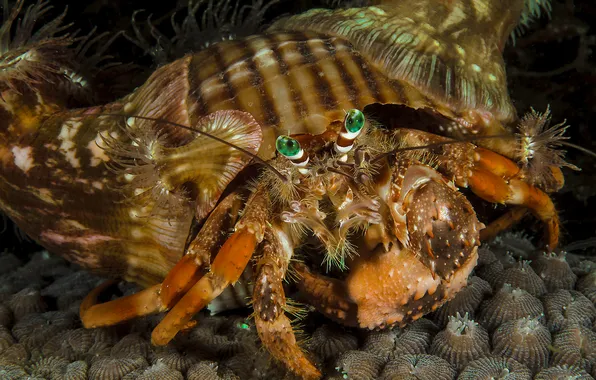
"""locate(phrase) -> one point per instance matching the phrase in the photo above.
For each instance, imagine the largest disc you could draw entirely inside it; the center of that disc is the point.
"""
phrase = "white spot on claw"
(23, 158)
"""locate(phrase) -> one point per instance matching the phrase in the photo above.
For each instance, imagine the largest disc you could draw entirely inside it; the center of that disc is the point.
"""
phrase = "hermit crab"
(230, 158)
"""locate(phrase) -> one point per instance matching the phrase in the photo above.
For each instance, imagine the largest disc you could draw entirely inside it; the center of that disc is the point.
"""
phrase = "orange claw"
(494, 179)
(227, 267)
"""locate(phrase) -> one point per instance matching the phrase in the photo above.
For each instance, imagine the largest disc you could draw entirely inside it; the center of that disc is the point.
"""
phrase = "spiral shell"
(525, 340)
(521, 275)
(462, 341)
(328, 342)
(568, 306)
(554, 270)
(419, 366)
(491, 367)
(359, 365)
(466, 301)
(508, 304)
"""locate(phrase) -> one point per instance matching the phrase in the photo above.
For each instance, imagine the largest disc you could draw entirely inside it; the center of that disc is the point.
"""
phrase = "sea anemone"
(359, 365)
(419, 366)
(6, 339)
(462, 341)
(574, 345)
(491, 367)
(131, 345)
(204, 370)
(34, 330)
(525, 340)
(328, 341)
(159, 371)
(568, 306)
(508, 304)
(416, 338)
(15, 354)
(381, 343)
(71, 345)
(521, 275)
(27, 301)
(563, 372)
(466, 301)
(73, 371)
(554, 270)
(5, 316)
(512, 244)
(175, 359)
(47, 366)
(115, 368)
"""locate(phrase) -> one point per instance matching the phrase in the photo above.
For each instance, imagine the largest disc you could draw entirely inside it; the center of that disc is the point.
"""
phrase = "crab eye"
(287, 146)
(354, 121)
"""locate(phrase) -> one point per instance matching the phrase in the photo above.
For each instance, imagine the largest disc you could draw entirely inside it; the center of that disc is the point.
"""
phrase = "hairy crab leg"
(493, 177)
(93, 315)
(226, 268)
(179, 280)
(498, 188)
(328, 294)
(269, 301)
(502, 223)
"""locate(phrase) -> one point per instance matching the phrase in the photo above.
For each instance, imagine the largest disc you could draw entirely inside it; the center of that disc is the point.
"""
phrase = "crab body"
(145, 188)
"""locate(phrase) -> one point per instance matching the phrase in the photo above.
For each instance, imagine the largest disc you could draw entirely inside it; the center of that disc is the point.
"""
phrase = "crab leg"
(184, 275)
(329, 295)
(226, 268)
(493, 179)
(273, 326)
(502, 223)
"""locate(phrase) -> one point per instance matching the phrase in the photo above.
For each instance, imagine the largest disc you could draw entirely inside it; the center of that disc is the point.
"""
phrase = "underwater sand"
(516, 320)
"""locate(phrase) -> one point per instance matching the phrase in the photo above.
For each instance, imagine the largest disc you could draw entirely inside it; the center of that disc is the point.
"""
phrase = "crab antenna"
(350, 130)
(291, 149)
(438, 144)
(206, 134)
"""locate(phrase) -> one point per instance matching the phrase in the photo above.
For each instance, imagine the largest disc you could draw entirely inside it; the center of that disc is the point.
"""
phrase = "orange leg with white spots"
(494, 178)
(273, 326)
(179, 280)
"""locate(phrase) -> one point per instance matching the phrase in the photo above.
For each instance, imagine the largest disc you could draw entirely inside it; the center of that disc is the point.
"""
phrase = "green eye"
(287, 146)
(354, 121)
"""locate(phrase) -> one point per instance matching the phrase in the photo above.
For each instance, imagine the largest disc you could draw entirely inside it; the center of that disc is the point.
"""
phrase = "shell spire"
(449, 50)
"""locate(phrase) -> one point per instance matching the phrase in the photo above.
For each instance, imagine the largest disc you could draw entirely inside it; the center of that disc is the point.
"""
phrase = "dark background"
(550, 64)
